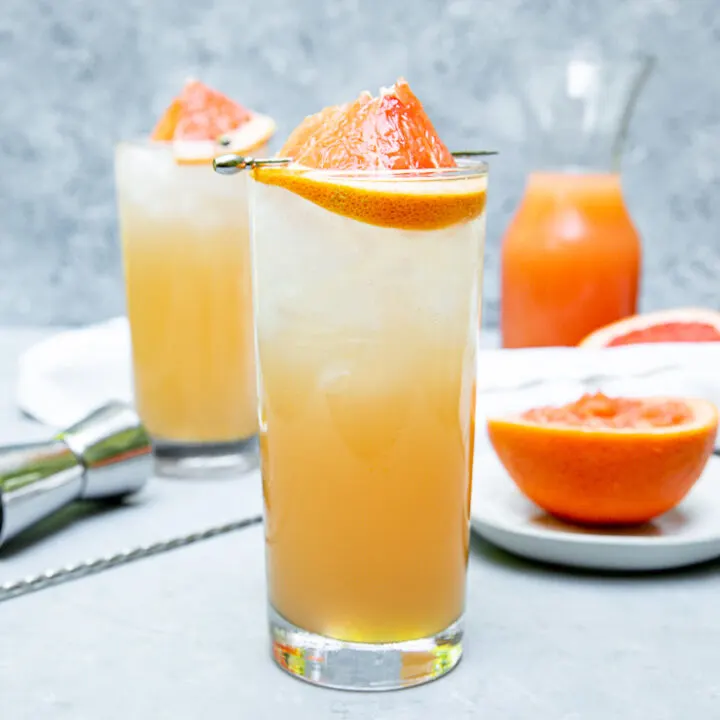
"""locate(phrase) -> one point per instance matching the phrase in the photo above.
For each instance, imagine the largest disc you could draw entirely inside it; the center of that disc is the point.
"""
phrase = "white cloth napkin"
(66, 376)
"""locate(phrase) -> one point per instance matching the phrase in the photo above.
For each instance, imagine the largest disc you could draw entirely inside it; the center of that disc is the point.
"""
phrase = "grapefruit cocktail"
(366, 256)
(186, 251)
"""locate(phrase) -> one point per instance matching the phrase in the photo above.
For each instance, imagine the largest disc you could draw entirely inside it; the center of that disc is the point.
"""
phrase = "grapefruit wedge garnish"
(679, 325)
(607, 461)
(343, 156)
(388, 132)
(202, 123)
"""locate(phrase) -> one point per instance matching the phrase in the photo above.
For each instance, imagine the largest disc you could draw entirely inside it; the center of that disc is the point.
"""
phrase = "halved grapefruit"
(607, 461)
(358, 143)
(679, 325)
(202, 123)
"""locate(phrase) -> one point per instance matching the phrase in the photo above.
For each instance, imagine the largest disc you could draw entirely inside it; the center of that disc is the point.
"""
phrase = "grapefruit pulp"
(343, 157)
(679, 325)
(202, 123)
(607, 461)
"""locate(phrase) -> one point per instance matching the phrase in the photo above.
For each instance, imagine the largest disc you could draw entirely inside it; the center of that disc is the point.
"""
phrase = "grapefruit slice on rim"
(679, 325)
(361, 143)
(202, 123)
(388, 132)
(607, 461)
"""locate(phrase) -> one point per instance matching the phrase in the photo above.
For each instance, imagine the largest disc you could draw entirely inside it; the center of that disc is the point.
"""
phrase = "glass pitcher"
(571, 256)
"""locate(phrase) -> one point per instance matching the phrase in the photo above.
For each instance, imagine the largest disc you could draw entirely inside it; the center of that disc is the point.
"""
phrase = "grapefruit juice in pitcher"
(571, 255)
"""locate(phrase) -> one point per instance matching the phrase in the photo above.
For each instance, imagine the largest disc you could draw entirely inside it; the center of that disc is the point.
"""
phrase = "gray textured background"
(77, 75)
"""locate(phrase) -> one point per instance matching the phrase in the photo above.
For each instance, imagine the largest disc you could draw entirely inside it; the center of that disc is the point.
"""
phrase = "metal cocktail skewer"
(473, 153)
(231, 163)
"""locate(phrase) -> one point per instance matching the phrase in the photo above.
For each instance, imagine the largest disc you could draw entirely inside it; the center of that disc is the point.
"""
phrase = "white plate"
(687, 535)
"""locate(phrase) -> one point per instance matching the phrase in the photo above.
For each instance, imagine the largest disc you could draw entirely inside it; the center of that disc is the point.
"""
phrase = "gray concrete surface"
(77, 75)
(182, 636)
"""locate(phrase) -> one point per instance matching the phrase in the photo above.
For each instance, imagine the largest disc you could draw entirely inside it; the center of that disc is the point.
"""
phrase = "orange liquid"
(570, 260)
(367, 494)
(189, 306)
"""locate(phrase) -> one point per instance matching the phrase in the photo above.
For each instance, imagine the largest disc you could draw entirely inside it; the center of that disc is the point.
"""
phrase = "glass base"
(363, 666)
(205, 460)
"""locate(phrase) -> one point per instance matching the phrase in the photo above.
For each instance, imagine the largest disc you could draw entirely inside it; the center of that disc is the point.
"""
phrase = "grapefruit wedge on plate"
(679, 325)
(607, 461)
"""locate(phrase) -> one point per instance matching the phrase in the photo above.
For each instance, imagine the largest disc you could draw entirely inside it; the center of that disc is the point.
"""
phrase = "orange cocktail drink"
(366, 287)
(185, 238)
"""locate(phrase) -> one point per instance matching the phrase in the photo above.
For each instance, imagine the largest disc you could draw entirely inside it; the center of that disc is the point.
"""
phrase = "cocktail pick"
(231, 163)
(473, 153)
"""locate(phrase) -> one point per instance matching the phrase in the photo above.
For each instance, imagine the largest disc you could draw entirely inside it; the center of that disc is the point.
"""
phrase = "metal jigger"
(106, 455)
